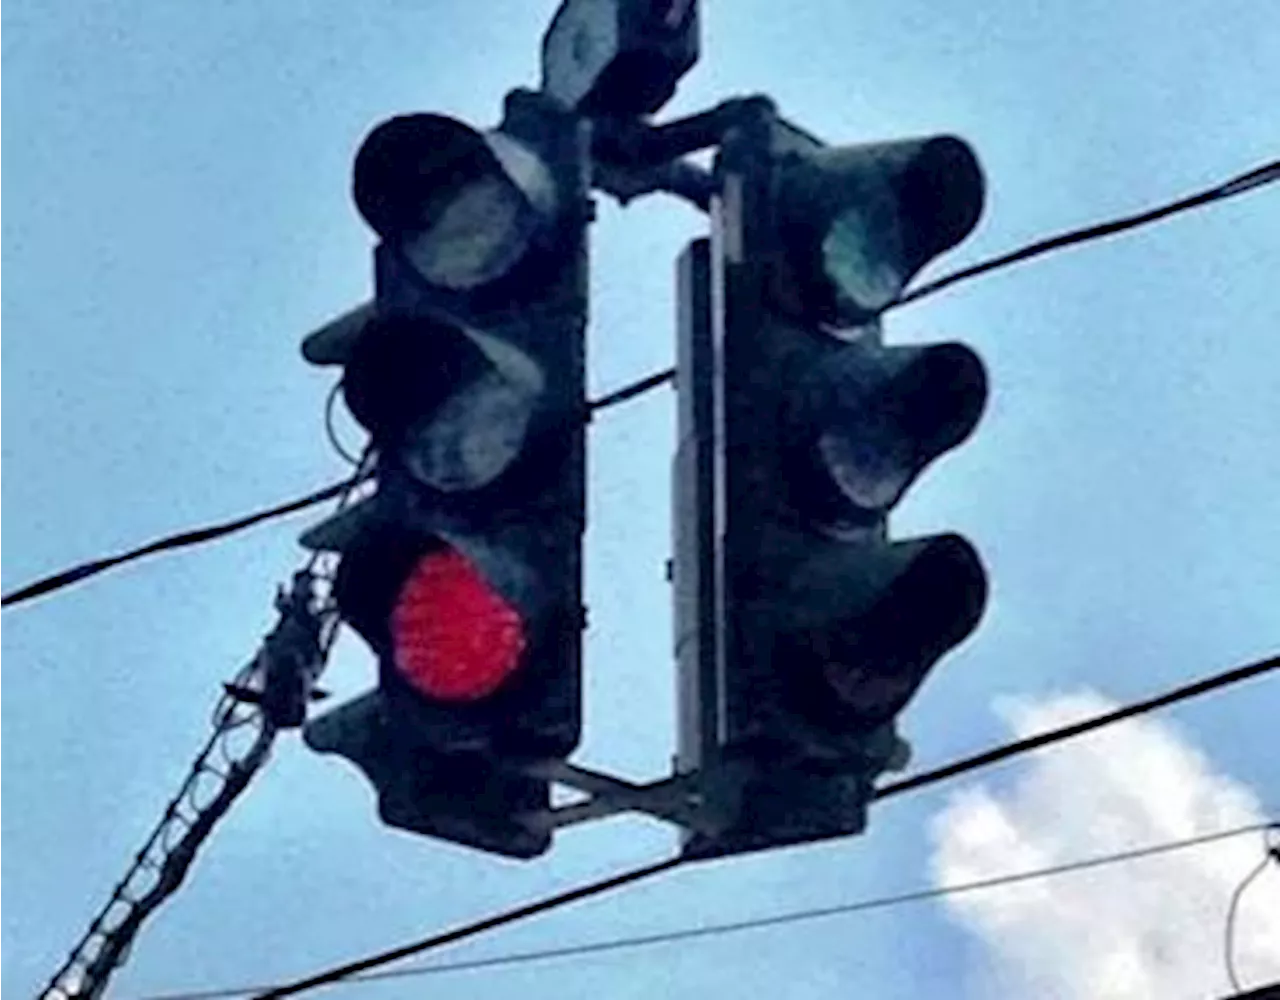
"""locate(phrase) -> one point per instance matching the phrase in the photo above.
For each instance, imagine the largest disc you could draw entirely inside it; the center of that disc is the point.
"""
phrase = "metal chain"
(158, 869)
(246, 721)
(236, 750)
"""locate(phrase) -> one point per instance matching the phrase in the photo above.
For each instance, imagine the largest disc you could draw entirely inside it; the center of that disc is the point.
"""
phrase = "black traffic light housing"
(618, 58)
(463, 571)
(827, 628)
(464, 798)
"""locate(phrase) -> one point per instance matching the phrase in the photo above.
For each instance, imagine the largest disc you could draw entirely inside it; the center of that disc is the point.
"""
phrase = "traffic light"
(618, 58)
(827, 626)
(463, 571)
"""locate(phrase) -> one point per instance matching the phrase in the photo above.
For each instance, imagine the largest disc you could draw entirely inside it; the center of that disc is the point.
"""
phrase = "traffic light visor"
(892, 412)
(865, 627)
(934, 601)
(463, 206)
(456, 403)
(861, 221)
(480, 430)
(865, 421)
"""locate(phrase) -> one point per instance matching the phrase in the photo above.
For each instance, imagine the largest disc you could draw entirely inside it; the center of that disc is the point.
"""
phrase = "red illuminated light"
(454, 638)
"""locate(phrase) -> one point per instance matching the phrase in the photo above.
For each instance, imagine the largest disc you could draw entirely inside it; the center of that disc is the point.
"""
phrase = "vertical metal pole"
(694, 571)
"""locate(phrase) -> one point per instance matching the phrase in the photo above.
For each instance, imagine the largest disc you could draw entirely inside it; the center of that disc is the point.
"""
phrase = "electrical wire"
(757, 923)
(1266, 174)
(471, 930)
(183, 539)
(637, 874)
(1212, 683)
(637, 388)
(1245, 182)
(1269, 992)
(1248, 181)
(198, 536)
(330, 432)
(158, 869)
(1270, 852)
(1228, 945)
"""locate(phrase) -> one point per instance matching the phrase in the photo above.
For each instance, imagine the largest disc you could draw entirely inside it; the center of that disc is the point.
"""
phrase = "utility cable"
(198, 536)
(637, 874)
(1266, 174)
(329, 430)
(1269, 992)
(637, 388)
(1228, 949)
(171, 870)
(1220, 680)
(471, 930)
(195, 536)
(757, 923)
(1270, 852)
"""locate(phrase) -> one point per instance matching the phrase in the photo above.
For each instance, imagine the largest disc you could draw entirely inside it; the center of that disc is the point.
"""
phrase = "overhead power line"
(638, 874)
(757, 923)
(1259, 176)
(471, 930)
(198, 536)
(331, 432)
(1269, 992)
(264, 694)
(1220, 680)
(637, 388)
(194, 536)
(1266, 174)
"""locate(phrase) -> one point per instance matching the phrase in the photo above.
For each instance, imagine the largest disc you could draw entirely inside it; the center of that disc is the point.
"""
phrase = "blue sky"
(178, 219)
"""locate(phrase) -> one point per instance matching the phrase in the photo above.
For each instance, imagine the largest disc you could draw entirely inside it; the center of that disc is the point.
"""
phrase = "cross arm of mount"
(637, 143)
(678, 799)
(681, 178)
(632, 158)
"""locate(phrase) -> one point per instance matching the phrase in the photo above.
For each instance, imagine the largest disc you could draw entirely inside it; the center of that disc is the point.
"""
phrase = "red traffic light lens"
(454, 637)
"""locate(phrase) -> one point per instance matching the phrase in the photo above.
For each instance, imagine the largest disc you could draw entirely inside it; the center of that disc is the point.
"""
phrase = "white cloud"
(1148, 929)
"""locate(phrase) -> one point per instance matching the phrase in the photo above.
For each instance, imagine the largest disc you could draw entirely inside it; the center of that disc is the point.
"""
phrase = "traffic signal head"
(828, 627)
(463, 571)
(618, 58)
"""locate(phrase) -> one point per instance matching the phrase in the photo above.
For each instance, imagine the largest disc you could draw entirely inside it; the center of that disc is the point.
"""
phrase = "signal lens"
(454, 638)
